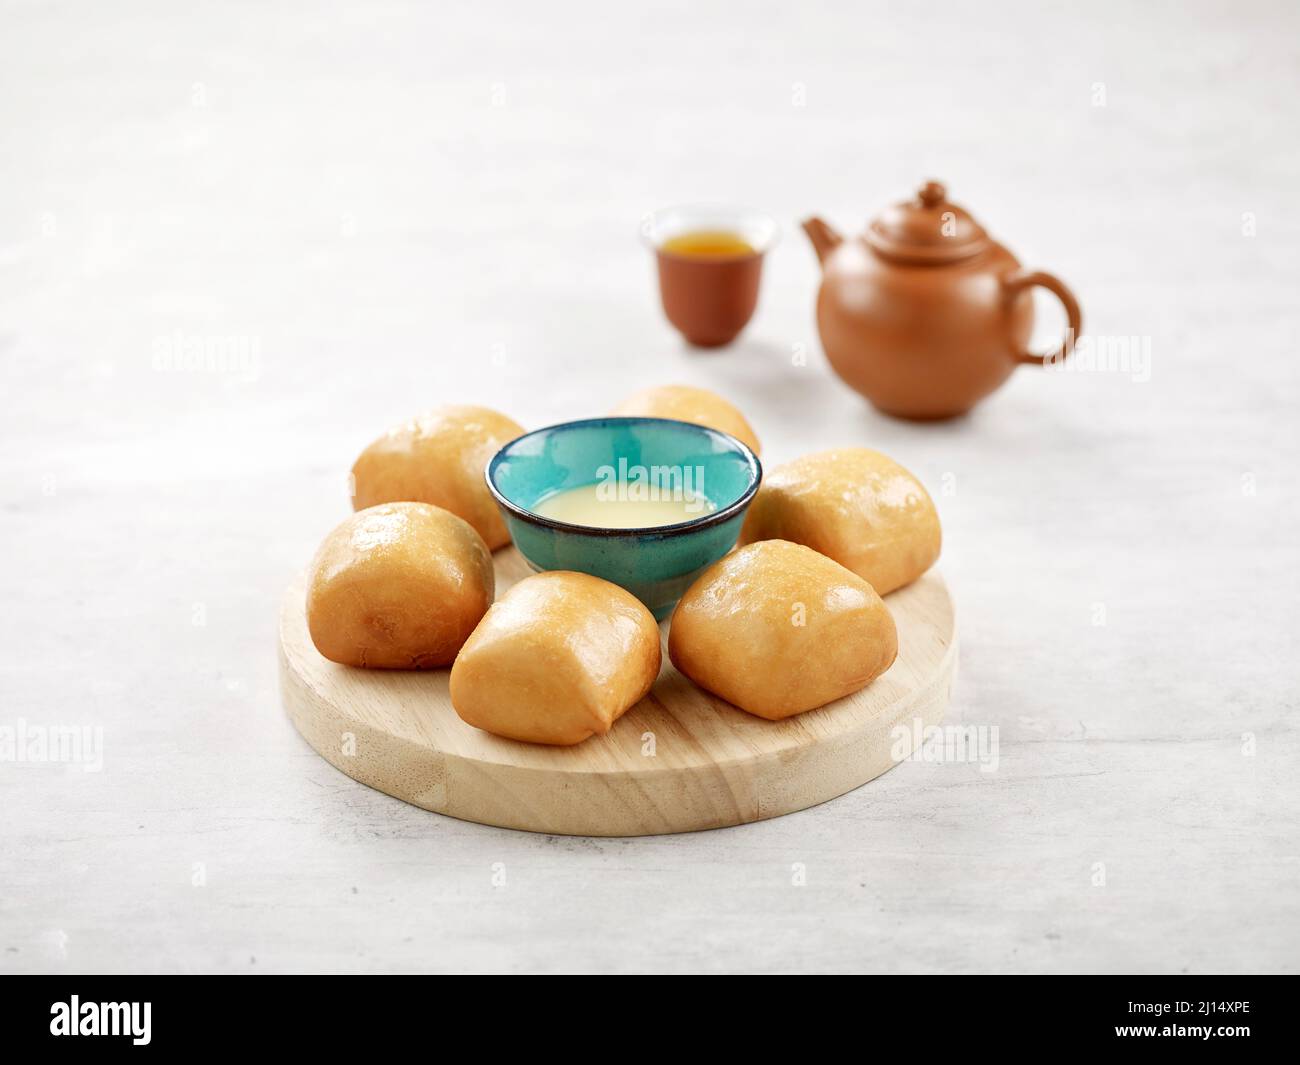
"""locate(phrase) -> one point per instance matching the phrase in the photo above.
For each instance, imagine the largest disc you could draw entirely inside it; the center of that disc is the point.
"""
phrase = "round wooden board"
(680, 760)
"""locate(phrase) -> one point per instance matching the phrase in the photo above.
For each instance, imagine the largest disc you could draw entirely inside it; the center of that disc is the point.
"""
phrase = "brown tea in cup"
(710, 261)
(708, 244)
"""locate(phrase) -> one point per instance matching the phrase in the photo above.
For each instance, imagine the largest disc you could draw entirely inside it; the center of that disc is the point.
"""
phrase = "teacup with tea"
(710, 260)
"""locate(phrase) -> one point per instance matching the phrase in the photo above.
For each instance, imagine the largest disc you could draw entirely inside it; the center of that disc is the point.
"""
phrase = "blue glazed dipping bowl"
(655, 564)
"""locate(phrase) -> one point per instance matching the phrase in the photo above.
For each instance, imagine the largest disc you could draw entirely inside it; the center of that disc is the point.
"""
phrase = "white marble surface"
(403, 206)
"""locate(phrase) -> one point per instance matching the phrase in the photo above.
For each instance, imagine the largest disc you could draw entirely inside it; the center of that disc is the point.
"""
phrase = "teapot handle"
(1016, 283)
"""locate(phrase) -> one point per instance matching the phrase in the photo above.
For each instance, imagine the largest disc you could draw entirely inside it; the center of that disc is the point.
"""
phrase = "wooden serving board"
(680, 760)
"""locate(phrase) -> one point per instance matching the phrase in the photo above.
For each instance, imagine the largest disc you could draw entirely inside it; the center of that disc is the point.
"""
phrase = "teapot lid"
(927, 229)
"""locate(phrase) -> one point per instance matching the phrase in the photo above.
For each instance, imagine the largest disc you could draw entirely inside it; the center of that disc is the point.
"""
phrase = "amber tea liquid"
(709, 244)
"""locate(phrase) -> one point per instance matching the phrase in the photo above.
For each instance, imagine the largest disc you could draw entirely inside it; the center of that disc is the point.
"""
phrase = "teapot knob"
(932, 193)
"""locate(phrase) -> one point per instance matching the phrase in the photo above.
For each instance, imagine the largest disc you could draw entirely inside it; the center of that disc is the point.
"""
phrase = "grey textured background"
(400, 205)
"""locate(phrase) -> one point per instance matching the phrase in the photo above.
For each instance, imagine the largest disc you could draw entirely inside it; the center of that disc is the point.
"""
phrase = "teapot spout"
(824, 239)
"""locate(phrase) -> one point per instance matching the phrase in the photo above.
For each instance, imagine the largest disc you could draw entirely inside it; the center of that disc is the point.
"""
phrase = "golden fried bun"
(398, 586)
(857, 506)
(439, 458)
(561, 657)
(777, 629)
(687, 404)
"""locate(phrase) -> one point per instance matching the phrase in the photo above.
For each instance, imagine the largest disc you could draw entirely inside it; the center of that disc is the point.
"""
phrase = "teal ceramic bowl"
(655, 564)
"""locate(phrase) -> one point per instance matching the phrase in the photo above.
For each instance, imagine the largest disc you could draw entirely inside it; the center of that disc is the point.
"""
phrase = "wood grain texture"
(712, 765)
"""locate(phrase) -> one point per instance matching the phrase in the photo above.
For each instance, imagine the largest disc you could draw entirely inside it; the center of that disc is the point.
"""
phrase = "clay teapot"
(924, 313)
